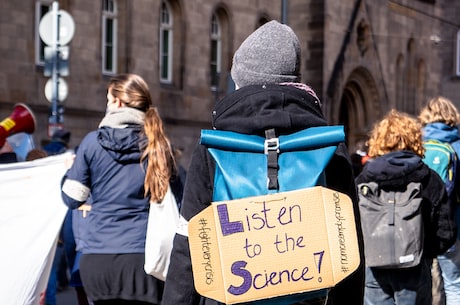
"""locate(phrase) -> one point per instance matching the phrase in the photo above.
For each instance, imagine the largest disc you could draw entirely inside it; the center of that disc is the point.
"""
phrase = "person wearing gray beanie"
(270, 55)
(270, 100)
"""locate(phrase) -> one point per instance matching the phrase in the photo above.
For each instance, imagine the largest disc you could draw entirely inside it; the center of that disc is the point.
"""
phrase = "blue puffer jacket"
(443, 133)
(108, 166)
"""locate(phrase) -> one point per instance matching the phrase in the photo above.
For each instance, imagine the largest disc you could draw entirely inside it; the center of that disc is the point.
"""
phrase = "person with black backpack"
(406, 214)
(439, 119)
(269, 95)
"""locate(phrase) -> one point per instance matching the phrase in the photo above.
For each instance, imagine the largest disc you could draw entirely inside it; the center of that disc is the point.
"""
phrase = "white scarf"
(122, 117)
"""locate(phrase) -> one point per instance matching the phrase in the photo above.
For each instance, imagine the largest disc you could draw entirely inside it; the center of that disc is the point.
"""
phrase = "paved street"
(66, 297)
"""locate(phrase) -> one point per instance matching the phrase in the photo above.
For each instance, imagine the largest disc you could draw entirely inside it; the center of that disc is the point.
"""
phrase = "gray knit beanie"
(270, 55)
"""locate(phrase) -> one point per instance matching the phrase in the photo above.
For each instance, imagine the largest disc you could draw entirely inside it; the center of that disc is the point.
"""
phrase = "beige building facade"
(362, 57)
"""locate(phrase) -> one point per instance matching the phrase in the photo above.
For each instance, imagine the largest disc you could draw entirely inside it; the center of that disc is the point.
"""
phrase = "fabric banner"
(31, 216)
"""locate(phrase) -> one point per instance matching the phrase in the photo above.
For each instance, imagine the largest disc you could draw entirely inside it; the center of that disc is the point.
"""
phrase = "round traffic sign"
(66, 28)
(63, 90)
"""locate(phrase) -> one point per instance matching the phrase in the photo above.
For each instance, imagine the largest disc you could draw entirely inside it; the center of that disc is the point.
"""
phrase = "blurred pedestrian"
(439, 118)
(122, 166)
(396, 149)
(58, 279)
(359, 157)
(36, 153)
(7, 154)
(59, 142)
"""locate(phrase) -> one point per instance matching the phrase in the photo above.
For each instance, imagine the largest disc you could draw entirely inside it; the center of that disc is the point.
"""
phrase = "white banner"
(31, 215)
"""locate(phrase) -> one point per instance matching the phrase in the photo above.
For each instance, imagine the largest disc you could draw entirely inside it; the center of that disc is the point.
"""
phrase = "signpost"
(56, 30)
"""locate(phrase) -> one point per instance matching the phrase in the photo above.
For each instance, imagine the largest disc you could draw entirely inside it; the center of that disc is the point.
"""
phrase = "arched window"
(166, 43)
(109, 37)
(216, 51)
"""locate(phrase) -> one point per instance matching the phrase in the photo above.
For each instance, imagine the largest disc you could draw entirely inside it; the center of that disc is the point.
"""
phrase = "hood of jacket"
(121, 134)
(395, 169)
(253, 109)
(441, 132)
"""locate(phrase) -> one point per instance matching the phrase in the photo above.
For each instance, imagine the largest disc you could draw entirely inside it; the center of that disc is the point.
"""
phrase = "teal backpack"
(442, 158)
(250, 165)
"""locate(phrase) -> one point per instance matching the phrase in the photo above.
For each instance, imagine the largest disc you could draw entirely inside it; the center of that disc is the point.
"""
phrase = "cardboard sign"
(273, 245)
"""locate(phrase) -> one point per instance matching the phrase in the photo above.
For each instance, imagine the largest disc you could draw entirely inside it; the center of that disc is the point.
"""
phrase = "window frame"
(39, 44)
(109, 14)
(165, 57)
(457, 62)
(215, 60)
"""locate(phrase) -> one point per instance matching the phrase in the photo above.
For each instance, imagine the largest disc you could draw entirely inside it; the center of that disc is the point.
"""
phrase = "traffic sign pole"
(55, 119)
(56, 60)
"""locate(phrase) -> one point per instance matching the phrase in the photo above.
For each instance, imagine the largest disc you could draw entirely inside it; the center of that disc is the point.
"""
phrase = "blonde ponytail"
(160, 159)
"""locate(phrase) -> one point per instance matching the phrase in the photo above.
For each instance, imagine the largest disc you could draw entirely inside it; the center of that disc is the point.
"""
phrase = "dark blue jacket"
(108, 163)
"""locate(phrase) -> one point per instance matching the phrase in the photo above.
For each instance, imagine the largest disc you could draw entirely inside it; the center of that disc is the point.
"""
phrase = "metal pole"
(284, 11)
(54, 119)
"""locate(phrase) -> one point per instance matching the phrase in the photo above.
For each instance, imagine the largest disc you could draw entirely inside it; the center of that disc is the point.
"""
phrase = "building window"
(166, 43)
(41, 8)
(109, 37)
(458, 54)
(216, 49)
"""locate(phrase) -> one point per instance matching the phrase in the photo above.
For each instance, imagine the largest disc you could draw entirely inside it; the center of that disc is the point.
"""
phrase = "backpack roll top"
(242, 160)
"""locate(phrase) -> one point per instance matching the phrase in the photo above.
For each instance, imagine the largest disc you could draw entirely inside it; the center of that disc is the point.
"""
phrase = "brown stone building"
(362, 57)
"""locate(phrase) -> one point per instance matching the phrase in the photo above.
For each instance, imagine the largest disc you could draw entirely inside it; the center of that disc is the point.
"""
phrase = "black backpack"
(392, 225)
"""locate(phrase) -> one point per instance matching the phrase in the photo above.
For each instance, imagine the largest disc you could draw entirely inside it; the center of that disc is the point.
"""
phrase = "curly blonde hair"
(396, 131)
(439, 109)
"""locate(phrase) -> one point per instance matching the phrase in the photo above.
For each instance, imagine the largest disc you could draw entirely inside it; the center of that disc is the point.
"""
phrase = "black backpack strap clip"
(271, 149)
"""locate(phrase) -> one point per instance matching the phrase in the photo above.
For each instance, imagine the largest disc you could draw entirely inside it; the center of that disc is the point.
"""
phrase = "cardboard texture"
(273, 245)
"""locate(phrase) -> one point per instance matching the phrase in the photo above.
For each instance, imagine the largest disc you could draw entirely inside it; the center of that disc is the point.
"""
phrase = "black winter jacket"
(402, 167)
(252, 110)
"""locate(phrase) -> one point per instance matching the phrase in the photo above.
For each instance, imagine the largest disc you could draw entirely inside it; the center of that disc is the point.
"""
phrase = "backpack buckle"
(272, 144)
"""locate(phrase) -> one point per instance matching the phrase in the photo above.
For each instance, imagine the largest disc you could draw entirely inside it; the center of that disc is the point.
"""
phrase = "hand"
(85, 208)
(68, 162)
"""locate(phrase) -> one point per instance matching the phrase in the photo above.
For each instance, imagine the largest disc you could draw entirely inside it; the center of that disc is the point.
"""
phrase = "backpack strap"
(271, 149)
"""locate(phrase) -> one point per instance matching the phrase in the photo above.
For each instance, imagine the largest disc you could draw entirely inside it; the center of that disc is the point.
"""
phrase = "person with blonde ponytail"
(120, 168)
